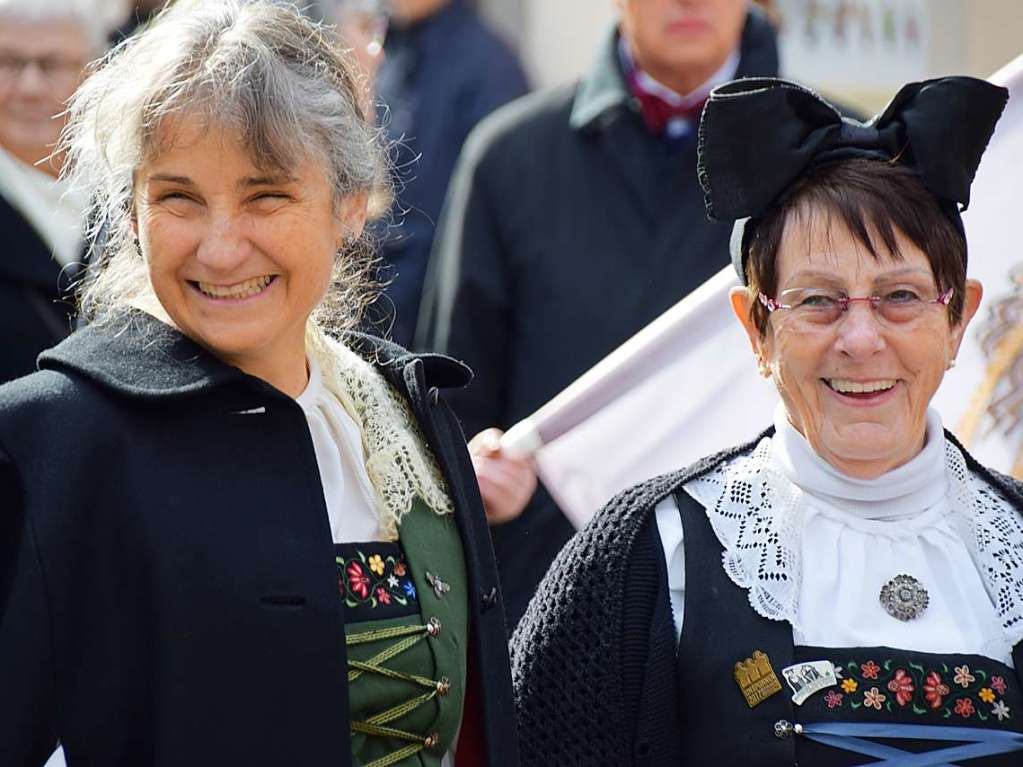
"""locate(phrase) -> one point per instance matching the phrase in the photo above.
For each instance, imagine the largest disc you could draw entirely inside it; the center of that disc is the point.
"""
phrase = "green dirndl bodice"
(407, 626)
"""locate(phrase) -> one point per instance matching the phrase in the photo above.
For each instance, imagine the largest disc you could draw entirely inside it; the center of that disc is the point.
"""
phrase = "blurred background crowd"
(529, 243)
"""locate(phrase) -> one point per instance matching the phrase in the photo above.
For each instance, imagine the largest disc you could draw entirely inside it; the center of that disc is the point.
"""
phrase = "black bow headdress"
(759, 135)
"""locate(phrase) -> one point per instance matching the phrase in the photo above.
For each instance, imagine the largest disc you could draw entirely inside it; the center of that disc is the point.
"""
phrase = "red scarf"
(657, 112)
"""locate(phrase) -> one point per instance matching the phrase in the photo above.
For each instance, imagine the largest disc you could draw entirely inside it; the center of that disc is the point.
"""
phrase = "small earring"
(763, 368)
(951, 363)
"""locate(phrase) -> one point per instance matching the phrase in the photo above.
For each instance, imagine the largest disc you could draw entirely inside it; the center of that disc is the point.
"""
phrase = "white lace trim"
(757, 515)
(993, 531)
(399, 464)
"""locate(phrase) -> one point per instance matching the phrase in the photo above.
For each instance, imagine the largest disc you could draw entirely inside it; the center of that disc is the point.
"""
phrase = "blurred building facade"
(860, 50)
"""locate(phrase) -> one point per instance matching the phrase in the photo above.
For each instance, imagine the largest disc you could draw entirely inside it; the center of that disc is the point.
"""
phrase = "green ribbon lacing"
(376, 726)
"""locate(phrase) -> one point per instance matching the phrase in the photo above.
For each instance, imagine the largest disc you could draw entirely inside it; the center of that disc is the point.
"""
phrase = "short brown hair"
(865, 195)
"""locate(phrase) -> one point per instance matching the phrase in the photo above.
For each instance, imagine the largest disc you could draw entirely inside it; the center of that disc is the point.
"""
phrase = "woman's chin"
(236, 347)
(229, 341)
(869, 464)
(864, 444)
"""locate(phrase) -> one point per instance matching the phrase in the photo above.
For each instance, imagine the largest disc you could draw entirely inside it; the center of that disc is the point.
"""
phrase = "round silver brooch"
(904, 598)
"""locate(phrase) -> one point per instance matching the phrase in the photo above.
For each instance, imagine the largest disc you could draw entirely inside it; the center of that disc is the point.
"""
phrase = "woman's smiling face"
(238, 256)
(857, 389)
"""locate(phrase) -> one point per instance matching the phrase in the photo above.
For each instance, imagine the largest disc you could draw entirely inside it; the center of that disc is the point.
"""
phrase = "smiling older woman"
(265, 545)
(848, 588)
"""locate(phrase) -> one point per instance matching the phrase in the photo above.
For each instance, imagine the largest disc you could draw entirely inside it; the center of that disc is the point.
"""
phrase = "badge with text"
(756, 678)
(807, 678)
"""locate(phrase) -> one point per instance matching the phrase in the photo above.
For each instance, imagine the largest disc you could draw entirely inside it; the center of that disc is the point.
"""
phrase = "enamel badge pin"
(756, 678)
(809, 677)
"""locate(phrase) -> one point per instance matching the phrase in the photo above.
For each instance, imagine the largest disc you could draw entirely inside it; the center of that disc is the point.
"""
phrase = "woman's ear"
(742, 301)
(971, 303)
(352, 216)
(133, 222)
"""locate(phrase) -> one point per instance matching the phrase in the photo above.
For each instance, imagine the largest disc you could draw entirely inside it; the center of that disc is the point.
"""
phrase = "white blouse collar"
(905, 491)
(314, 388)
(757, 514)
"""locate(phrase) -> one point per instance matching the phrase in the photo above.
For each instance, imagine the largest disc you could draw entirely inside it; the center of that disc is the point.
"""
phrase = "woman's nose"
(860, 332)
(224, 244)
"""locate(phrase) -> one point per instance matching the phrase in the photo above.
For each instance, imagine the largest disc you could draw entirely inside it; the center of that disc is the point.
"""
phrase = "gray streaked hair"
(259, 67)
(96, 18)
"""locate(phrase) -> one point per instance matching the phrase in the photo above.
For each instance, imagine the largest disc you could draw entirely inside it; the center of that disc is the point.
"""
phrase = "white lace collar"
(399, 464)
(756, 512)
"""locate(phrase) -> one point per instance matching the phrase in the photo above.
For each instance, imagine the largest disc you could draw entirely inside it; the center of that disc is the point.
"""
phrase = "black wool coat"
(168, 592)
(35, 308)
(568, 227)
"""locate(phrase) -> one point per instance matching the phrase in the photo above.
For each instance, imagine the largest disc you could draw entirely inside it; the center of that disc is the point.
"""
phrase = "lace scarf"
(757, 515)
(399, 464)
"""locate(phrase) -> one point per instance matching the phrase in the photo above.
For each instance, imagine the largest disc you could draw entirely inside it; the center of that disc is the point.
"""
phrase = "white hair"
(96, 18)
(257, 66)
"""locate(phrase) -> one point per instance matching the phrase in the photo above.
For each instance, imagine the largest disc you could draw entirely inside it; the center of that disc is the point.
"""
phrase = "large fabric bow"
(759, 135)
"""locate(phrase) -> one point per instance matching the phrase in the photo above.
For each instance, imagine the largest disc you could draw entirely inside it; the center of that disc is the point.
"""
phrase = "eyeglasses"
(817, 308)
(55, 69)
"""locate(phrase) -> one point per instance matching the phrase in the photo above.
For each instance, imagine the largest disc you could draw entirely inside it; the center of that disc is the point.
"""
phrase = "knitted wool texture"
(566, 653)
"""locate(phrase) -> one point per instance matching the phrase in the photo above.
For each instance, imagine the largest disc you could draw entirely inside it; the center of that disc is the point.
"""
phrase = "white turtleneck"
(337, 441)
(857, 535)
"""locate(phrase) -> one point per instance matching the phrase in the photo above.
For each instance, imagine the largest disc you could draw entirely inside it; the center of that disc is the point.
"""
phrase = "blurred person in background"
(44, 47)
(362, 26)
(575, 218)
(443, 70)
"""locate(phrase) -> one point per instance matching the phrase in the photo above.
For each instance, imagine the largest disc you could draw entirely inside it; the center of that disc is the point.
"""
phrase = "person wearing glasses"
(848, 587)
(233, 530)
(44, 47)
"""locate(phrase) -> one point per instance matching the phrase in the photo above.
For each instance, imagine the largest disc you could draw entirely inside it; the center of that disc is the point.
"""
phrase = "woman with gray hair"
(267, 546)
(44, 46)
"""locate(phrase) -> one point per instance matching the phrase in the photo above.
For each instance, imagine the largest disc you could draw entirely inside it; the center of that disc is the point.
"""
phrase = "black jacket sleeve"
(28, 728)
(467, 299)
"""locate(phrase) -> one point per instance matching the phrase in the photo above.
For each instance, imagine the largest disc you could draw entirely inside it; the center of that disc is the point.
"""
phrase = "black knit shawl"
(585, 690)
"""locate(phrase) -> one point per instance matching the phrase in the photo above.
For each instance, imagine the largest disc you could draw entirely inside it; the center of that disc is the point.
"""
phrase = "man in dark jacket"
(574, 219)
(44, 51)
(443, 71)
